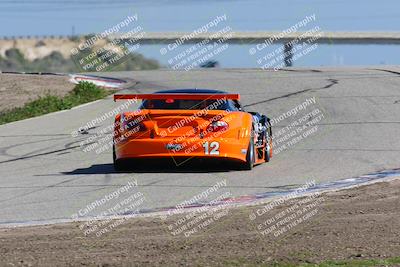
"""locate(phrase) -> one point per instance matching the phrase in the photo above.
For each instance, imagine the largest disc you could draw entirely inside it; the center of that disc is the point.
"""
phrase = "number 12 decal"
(211, 149)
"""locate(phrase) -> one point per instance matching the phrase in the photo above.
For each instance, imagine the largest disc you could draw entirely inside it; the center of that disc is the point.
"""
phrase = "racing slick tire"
(267, 148)
(267, 152)
(250, 157)
(118, 165)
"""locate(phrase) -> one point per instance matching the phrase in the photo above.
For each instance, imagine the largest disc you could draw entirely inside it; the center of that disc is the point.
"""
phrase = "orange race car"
(190, 123)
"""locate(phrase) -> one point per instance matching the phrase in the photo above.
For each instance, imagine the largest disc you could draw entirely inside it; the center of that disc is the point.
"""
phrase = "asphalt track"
(46, 175)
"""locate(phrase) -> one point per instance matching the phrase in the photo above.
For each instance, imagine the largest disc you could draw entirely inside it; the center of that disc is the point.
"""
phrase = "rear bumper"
(229, 148)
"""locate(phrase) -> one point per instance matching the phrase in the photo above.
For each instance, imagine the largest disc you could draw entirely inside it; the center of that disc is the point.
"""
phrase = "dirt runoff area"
(355, 224)
(18, 89)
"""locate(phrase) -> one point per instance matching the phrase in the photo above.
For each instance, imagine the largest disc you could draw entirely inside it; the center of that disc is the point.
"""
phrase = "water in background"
(59, 17)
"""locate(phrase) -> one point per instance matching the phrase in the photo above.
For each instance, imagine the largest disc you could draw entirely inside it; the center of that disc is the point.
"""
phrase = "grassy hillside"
(82, 93)
(55, 62)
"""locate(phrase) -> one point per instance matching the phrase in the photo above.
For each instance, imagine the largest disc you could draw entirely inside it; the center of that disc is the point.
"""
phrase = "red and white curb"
(99, 81)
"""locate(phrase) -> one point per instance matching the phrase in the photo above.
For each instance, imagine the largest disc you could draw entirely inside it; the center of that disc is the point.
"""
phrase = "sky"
(61, 17)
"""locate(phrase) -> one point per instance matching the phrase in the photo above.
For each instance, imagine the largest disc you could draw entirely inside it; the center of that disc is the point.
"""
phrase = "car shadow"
(192, 167)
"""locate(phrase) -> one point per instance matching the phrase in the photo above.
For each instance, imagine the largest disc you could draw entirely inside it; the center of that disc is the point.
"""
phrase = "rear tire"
(267, 148)
(250, 157)
(267, 152)
(118, 166)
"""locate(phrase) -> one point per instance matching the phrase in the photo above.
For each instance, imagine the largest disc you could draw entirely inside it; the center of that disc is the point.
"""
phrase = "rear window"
(188, 104)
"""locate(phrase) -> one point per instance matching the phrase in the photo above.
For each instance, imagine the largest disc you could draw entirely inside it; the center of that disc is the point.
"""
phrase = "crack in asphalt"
(41, 154)
(389, 71)
(3, 150)
(393, 72)
(331, 83)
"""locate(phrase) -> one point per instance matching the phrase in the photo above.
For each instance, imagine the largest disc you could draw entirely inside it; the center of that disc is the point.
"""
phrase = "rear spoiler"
(177, 96)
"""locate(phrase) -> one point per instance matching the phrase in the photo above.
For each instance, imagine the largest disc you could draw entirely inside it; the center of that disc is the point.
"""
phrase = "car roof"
(190, 91)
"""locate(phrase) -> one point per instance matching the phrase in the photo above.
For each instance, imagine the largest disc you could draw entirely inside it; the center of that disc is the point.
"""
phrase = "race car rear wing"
(177, 96)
